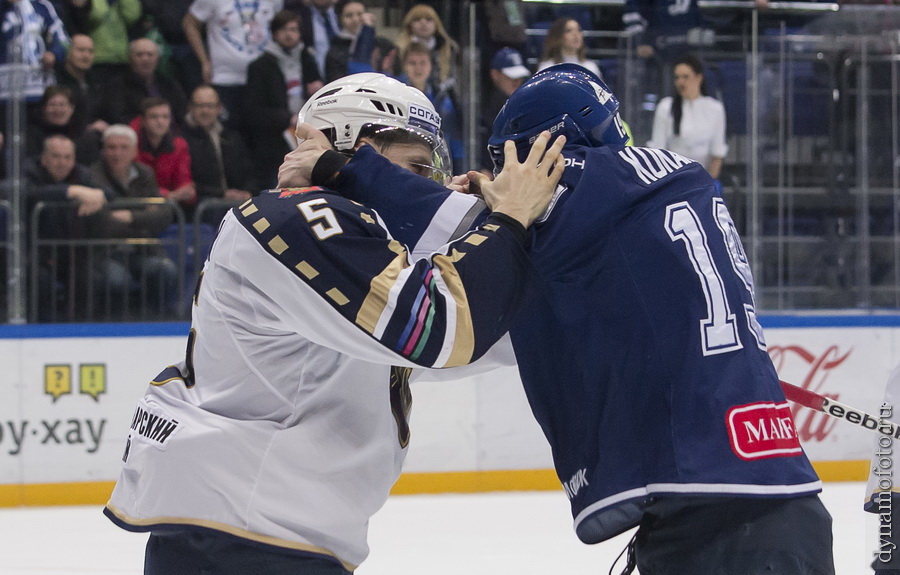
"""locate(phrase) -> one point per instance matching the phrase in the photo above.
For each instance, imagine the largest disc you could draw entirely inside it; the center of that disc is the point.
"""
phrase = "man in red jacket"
(165, 152)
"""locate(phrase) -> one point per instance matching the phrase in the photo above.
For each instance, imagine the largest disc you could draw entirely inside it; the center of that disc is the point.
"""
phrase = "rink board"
(69, 393)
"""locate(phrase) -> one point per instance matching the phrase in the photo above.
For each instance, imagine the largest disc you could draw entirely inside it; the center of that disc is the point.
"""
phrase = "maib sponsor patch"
(762, 430)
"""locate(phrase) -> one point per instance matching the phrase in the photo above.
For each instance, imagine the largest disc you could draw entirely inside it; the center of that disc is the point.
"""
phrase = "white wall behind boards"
(68, 395)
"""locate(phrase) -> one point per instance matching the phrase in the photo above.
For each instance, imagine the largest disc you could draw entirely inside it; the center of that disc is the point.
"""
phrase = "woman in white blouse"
(565, 43)
(691, 123)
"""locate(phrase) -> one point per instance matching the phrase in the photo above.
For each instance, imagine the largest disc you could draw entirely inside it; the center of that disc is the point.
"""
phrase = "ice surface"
(526, 533)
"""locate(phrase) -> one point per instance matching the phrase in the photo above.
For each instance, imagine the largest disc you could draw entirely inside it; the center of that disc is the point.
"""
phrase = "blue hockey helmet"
(565, 99)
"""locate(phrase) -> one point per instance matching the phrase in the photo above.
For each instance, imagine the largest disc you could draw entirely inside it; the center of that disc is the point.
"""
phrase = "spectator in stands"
(422, 25)
(665, 28)
(235, 38)
(107, 23)
(54, 176)
(32, 33)
(121, 97)
(118, 170)
(278, 83)
(167, 154)
(167, 16)
(417, 72)
(56, 116)
(690, 122)
(32, 28)
(77, 74)
(320, 25)
(646, 20)
(356, 48)
(508, 72)
(130, 269)
(668, 28)
(220, 161)
(565, 43)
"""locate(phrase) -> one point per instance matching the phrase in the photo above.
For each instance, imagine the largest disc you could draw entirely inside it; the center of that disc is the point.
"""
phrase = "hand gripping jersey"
(288, 421)
(638, 347)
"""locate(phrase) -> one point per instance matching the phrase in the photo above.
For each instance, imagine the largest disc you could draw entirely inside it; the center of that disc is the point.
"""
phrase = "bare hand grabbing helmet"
(565, 99)
(376, 106)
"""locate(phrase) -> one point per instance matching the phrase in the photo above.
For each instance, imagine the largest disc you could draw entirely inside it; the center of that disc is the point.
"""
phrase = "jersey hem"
(608, 504)
(139, 525)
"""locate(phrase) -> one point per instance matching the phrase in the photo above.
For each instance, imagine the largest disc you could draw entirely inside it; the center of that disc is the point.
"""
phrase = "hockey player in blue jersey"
(639, 348)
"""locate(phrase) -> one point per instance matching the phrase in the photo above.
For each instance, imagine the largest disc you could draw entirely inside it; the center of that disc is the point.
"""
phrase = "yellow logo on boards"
(58, 380)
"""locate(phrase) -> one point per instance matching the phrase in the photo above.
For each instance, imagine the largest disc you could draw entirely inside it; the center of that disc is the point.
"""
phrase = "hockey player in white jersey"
(267, 449)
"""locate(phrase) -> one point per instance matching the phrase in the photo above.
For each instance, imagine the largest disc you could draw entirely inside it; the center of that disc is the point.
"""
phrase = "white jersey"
(287, 423)
(236, 34)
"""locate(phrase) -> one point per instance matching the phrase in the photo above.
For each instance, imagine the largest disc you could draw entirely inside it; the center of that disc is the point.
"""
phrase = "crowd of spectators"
(192, 100)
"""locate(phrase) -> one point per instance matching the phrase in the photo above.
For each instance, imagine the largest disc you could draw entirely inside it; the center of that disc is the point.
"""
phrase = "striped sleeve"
(442, 311)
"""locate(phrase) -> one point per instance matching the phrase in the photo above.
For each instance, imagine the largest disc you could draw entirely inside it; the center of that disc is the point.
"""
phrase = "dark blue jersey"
(655, 22)
(638, 348)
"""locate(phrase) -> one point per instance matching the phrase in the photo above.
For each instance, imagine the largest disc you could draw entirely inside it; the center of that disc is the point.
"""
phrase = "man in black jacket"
(121, 97)
(132, 277)
(76, 72)
(278, 83)
(220, 160)
(55, 177)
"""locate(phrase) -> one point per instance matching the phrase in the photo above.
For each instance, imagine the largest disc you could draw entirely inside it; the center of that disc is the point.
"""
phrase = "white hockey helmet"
(370, 104)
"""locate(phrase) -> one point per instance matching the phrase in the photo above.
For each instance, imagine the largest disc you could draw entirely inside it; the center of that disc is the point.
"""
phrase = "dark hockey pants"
(212, 553)
(735, 536)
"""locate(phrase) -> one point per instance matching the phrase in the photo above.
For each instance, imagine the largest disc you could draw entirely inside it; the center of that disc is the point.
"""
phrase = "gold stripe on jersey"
(158, 382)
(249, 210)
(395, 247)
(475, 239)
(379, 288)
(278, 245)
(261, 225)
(464, 338)
(307, 270)
(229, 529)
(338, 297)
(367, 218)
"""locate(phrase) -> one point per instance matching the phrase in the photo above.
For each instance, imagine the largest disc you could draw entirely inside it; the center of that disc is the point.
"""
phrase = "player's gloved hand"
(523, 191)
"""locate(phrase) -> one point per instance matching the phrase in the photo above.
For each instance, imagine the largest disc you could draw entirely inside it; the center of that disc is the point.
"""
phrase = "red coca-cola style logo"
(810, 425)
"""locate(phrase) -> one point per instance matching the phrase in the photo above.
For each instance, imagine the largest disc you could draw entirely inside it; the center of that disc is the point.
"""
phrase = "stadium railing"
(812, 176)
